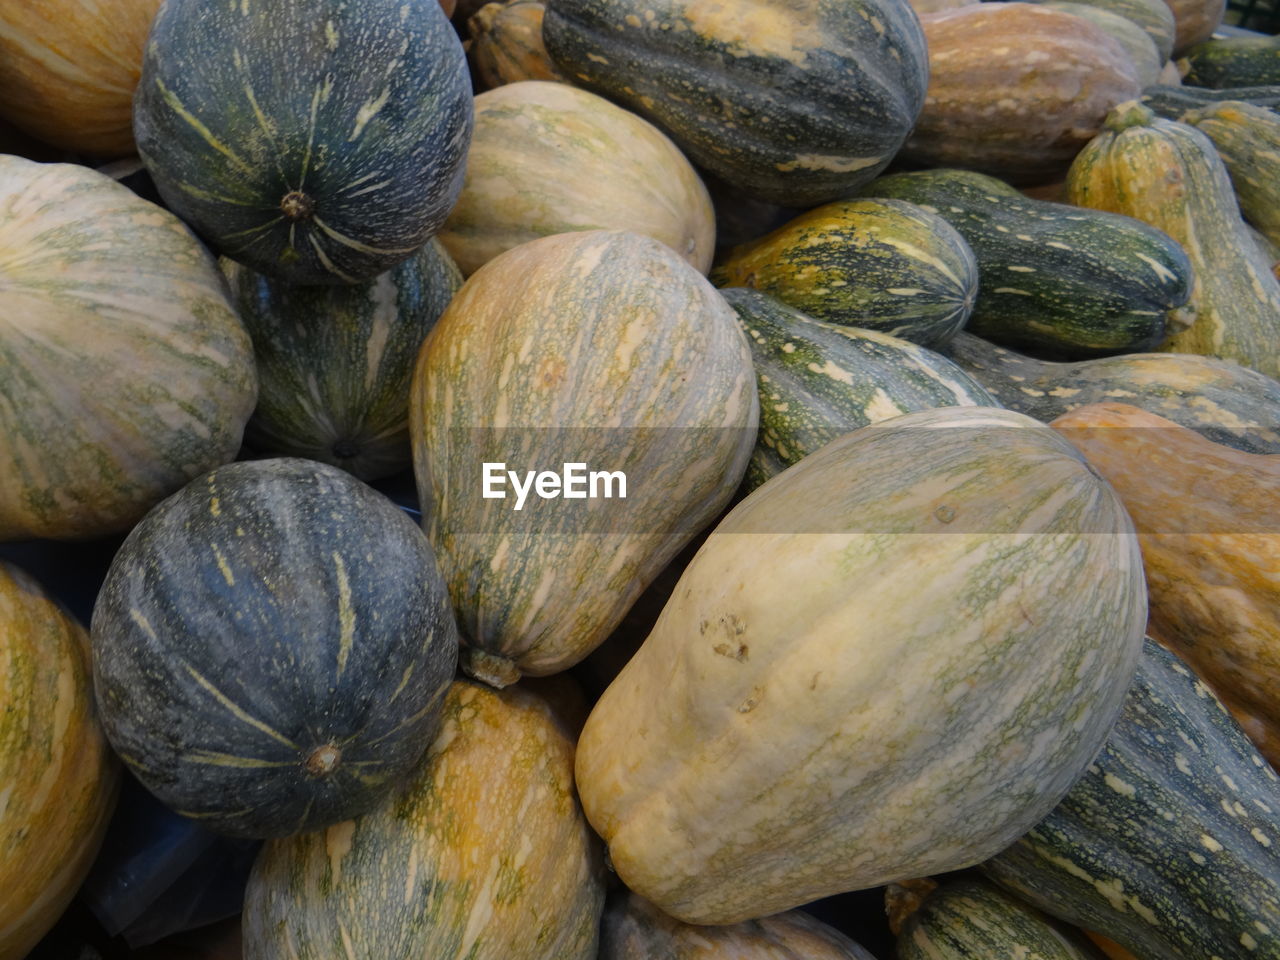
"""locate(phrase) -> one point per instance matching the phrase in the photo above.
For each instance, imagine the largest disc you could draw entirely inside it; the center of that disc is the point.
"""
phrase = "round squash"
(549, 158)
(796, 102)
(506, 43)
(877, 264)
(59, 777)
(602, 349)
(68, 69)
(316, 142)
(889, 661)
(126, 369)
(484, 856)
(1016, 90)
(334, 363)
(271, 647)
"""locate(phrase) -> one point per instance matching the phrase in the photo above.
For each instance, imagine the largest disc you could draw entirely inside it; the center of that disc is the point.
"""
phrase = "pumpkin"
(271, 647)
(1016, 89)
(68, 69)
(1210, 557)
(1169, 175)
(1166, 844)
(127, 372)
(334, 363)
(59, 776)
(506, 43)
(1052, 277)
(968, 917)
(1171, 102)
(795, 102)
(634, 929)
(1141, 48)
(877, 264)
(1194, 21)
(793, 727)
(484, 856)
(316, 143)
(1153, 17)
(574, 349)
(818, 380)
(549, 158)
(1247, 61)
(1247, 139)
(1219, 399)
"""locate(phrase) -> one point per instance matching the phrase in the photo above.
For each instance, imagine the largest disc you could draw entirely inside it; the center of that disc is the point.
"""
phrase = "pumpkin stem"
(323, 760)
(346, 449)
(497, 671)
(903, 899)
(297, 205)
(1131, 113)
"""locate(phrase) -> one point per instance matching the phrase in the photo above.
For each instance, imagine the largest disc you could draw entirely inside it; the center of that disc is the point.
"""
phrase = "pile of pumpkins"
(927, 355)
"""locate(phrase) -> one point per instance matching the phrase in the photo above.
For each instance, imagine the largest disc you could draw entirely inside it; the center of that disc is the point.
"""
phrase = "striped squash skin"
(1167, 844)
(968, 918)
(795, 102)
(1172, 102)
(549, 158)
(334, 363)
(59, 776)
(575, 348)
(484, 856)
(1168, 174)
(1015, 90)
(1153, 17)
(818, 381)
(1054, 277)
(126, 370)
(1233, 62)
(68, 69)
(1147, 62)
(506, 44)
(877, 264)
(1247, 139)
(634, 929)
(1206, 516)
(313, 141)
(271, 647)
(1219, 399)
(725, 766)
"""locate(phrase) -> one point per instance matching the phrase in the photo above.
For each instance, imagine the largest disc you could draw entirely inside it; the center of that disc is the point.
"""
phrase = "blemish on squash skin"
(738, 653)
(752, 701)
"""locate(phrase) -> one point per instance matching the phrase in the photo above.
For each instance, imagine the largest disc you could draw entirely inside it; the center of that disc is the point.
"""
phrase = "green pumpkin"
(1247, 138)
(334, 363)
(1172, 102)
(1247, 61)
(315, 142)
(271, 646)
(796, 102)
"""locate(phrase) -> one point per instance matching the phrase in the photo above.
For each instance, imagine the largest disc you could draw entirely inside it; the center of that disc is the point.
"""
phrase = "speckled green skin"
(124, 370)
(1220, 399)
(1054, 278)
(271, 647)
(1233, 62)
(484, 856)
(1170, 843)
(818, 380)
(968, 918)
(1248, 140)
(362, 107)
(1153, 16)
(796, 102)
(874, 263)
(334, 363)
(1172, 102)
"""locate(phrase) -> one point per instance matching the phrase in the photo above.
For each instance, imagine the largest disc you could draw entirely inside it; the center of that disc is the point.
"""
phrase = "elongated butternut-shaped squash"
(1209, 520)
(1247, 137)
(795, 727)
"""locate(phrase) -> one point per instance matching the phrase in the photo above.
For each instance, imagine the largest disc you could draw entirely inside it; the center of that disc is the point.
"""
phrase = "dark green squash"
(1220, 399)
(1170, 843)
(1247, 138)
(818, 380)
(1054, 278)
(313, 141)
(1172, 102)
(796, 102)
(271, 646)
(334, 363)
(1233, 62)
